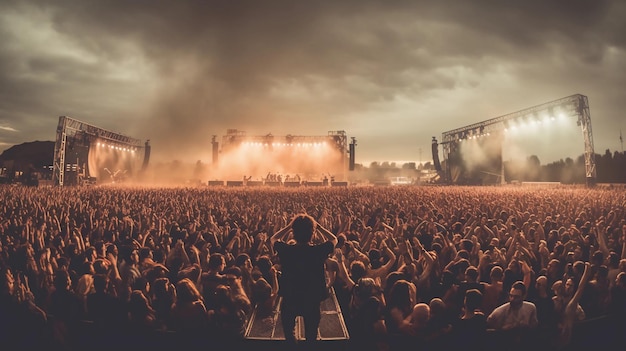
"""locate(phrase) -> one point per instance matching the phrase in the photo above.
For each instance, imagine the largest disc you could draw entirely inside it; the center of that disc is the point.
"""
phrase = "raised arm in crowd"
(197, 261)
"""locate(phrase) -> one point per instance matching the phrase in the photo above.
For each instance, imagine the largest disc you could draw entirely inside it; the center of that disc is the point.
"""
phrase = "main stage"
(260, 183)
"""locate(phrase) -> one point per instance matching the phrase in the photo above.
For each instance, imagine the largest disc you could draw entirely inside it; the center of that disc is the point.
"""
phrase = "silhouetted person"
(303, 283)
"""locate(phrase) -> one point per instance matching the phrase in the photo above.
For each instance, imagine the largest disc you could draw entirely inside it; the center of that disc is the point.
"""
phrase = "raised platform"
(332, 325)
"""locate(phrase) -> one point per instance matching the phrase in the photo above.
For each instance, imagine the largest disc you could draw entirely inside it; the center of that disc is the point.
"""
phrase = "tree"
(409, 166)
(533, 168)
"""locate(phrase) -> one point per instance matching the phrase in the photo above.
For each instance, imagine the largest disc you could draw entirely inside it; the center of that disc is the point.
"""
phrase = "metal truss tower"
(576, 105)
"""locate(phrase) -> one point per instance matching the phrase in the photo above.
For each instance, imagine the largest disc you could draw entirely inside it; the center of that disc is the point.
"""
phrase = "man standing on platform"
(302, 284)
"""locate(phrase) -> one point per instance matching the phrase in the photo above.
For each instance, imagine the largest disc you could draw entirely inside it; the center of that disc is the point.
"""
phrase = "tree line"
(610, 168)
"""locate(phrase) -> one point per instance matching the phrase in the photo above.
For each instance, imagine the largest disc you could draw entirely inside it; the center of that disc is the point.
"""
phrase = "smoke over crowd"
(179, 72)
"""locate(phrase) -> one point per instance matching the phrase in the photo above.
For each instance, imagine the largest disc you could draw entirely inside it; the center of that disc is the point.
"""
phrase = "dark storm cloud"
(178, 72)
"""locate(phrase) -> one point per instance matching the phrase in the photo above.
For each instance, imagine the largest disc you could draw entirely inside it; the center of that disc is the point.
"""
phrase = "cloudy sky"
(392, 74)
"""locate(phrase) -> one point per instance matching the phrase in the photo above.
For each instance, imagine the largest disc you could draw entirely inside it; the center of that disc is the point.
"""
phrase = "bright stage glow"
(524, 125)
(106, 158)
(309, 159)
(116, 147)
(260, 144)
(555, 134)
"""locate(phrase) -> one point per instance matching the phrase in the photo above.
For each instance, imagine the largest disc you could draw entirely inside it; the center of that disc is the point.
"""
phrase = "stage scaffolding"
(576, 105)
(72, 130)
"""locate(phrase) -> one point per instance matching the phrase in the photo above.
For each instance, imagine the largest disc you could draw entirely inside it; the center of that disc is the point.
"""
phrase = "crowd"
(414, 267)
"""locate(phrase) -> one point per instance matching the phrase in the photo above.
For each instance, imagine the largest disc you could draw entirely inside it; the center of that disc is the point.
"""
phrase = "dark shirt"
(546, 314)
(210, 282)
(190, 318)
(65, 306)
(302, 277)
(105, 310)
(470, 333)
(617, 306)
(22, 325)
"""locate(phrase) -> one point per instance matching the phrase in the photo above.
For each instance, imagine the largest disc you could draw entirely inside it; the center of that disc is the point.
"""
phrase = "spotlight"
(548, 118)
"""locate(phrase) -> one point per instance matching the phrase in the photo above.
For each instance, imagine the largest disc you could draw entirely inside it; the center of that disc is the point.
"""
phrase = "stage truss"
(576, 105)
(72, 130)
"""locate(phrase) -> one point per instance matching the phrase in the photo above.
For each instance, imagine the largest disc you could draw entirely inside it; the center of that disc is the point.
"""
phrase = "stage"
(268, 331)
